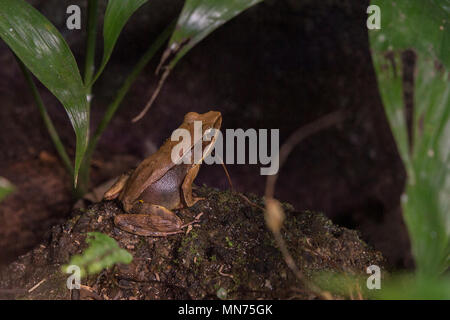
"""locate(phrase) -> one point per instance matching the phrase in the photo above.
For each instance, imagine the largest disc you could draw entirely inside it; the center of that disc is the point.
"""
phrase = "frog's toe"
(197, 199)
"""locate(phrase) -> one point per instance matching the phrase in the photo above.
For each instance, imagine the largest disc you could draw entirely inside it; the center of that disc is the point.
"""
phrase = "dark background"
(281, 64)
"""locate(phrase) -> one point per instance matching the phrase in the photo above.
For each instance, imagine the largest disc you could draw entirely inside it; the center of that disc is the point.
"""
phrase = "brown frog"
(158, 185)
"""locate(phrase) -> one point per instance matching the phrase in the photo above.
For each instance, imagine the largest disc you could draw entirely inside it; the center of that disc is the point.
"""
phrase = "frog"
(159, 185)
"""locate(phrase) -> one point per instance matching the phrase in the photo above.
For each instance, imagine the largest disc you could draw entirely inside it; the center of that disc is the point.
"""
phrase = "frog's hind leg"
(114, 191)
(149, 220)
(186, 187)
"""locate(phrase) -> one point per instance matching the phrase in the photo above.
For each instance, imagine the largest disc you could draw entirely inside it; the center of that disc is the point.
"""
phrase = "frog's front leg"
(149, 220)
(186, 187)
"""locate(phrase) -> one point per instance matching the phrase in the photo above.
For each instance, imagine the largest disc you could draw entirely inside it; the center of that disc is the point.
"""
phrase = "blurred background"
(281, 64)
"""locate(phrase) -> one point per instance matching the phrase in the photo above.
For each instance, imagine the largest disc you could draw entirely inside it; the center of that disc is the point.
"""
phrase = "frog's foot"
(144, 225)
(114, 191)
(194, 200)
(157, 221)
(186, 188)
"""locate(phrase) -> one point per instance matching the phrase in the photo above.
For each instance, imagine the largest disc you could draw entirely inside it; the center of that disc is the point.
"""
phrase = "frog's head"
(211, 122)
(210, 119)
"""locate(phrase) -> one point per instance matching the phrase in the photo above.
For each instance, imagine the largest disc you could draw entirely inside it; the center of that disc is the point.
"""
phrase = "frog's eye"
(191, 116)
(141, 201)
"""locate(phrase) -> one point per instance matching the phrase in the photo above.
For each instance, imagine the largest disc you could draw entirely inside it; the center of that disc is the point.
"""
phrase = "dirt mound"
(229, 253)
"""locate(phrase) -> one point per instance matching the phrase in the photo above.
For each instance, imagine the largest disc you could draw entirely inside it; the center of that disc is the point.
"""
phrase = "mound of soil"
(230, 253)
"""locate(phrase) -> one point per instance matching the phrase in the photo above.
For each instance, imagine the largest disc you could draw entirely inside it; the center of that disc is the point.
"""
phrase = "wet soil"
(229, 253)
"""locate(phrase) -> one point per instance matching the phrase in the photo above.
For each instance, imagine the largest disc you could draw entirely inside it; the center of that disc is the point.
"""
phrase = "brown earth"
(229, 253)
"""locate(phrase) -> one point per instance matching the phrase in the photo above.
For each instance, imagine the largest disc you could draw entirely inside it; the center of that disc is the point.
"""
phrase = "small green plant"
(229, 242)
(5, 188)
(42, 51)
(103, 252)
(416, 97)
(411, 55)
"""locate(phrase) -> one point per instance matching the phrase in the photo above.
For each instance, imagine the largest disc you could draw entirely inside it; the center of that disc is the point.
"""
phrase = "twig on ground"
(37, 285)
(274, 212)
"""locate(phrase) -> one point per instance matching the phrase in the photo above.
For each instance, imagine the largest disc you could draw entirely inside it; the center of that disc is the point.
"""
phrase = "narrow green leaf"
(115, 104)
(197, 20)
(201, 17)
(424, 27)
(407, 287)
(91, 39)
(46, 118)
(394, 287)
(42, 49)
(117, 14)
(5, 188)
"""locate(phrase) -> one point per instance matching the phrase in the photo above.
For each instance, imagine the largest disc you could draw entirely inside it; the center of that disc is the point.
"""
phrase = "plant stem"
(48, 122)
(92, 23)
(112, 108)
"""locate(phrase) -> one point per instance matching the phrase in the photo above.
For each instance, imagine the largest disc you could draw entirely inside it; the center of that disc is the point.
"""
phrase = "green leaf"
(197, 20)
(344, 285)
(393, 287)
(201, 17)
(5, 188)
(117, 14)
(103, 252)
(42, 49)
(423, 27)
(409, 287)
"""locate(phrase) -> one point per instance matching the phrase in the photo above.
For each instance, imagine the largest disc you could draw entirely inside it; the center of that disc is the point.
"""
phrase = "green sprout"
(103, 252)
